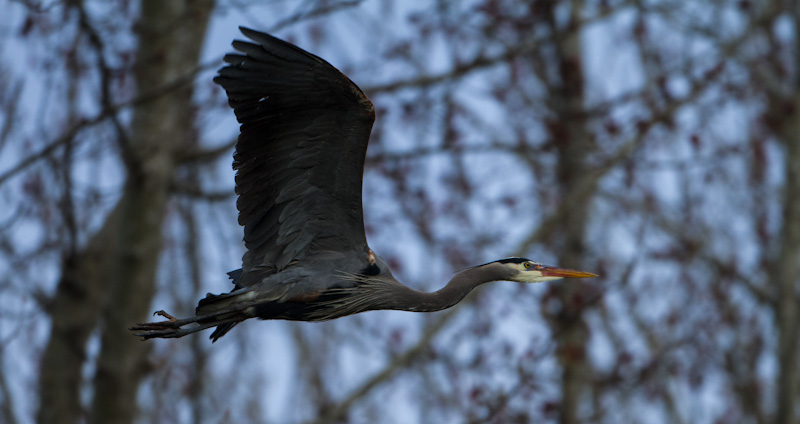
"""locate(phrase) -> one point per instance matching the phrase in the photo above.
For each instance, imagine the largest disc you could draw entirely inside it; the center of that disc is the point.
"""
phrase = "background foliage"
(656, 143)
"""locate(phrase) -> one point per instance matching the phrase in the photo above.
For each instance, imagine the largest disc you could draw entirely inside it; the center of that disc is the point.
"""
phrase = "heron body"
(300, 161)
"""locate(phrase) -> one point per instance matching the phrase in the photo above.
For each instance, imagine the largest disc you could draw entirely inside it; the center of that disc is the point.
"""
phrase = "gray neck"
(460, 285)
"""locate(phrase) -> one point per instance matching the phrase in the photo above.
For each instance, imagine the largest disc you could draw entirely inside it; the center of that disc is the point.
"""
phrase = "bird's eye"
(527, 265)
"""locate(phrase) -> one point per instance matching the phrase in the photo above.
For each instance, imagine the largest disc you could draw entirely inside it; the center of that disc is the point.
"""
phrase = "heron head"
(528, 271)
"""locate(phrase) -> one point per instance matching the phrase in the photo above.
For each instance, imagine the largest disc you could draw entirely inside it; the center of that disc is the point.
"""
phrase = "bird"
(299, 163)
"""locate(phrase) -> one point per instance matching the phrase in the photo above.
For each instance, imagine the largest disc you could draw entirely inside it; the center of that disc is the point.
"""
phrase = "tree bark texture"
(572, 142)
(75, 311)
(786, 274)
(110, 283)
(170, 41)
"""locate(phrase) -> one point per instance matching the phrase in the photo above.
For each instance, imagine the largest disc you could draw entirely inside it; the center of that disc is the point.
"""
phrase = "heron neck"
(455, 290)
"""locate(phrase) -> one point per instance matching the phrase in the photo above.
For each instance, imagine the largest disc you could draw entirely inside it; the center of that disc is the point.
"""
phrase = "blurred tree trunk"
(572, 141)
(782, 90)
(786, 273)
(171, 37)
(74, 311)
(110, 283)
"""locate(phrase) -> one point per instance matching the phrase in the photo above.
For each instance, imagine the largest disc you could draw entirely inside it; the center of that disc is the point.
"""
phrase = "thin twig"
(106, 112)
(199, 155)
(336, 412)
(325, 9)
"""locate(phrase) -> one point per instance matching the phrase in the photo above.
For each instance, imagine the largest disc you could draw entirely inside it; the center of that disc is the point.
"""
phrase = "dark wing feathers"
(300, 154)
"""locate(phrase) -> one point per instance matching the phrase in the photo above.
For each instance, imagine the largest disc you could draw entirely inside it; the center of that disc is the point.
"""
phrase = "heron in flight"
(300, 160)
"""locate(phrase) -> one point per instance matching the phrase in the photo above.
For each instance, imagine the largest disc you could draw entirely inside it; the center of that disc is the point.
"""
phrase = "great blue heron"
(300, 160)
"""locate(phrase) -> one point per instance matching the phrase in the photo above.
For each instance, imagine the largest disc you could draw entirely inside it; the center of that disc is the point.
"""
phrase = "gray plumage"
(300, 160)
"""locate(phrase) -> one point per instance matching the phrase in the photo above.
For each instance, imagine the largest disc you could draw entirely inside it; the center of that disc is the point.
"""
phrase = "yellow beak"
(551, 271)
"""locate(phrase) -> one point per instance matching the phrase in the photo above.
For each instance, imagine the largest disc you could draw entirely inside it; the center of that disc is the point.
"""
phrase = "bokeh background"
(654, 142)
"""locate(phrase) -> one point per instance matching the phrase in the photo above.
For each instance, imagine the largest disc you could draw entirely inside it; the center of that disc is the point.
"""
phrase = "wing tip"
(261, 39)
(250, 31)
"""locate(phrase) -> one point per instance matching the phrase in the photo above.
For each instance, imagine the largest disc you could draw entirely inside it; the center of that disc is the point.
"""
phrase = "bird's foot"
(162, 329)
(171, 328)
(171, 322)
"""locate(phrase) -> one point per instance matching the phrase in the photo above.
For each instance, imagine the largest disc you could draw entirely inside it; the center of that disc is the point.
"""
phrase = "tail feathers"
(213, 304)
(223, 311)
(235, 276)
(222, 307)
(221, 330)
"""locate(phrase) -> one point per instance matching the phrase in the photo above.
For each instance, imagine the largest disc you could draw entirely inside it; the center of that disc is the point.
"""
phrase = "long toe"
(164, 314)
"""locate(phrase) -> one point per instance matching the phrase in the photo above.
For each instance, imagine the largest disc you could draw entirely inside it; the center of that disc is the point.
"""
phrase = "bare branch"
(338, 411)
(106, 113)
(322, 10)
(199, 155)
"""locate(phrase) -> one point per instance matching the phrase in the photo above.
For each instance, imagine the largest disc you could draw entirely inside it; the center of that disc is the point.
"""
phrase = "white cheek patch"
(532, 275)
(543, 279)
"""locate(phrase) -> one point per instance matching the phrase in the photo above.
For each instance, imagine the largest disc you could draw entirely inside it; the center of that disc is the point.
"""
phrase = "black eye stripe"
(507, 261)
(513, 260)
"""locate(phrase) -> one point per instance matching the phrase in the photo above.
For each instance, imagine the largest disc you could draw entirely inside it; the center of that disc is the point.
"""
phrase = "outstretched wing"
(300, 154)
